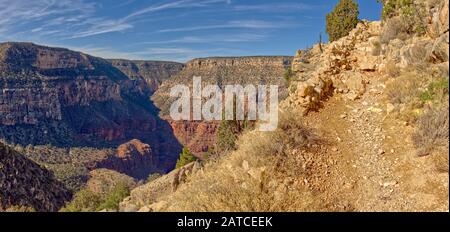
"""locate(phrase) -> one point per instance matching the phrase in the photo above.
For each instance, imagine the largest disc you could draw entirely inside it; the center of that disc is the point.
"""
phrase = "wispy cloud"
(242, 24)
(103, 27)
(230, 38)
(77, 18)
(46, 14)
(276, 7)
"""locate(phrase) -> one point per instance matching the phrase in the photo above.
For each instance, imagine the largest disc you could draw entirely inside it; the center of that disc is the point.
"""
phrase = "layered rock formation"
(23, 183)
(65, 98)
(153, 72)
(134, 158)
(201, 136)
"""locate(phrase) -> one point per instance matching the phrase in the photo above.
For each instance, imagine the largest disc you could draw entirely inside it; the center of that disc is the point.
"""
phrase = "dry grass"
(394, 28)
(261, 175)
(376, 48)
(440, 160)
(392, 70)
(405, 91)
(406, 88)
(103, 181)
(432, 130)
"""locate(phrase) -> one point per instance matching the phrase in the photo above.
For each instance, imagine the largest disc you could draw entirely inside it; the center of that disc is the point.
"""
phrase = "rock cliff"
(201, 136)
(153, 72)
(67, 99)
(134, 158)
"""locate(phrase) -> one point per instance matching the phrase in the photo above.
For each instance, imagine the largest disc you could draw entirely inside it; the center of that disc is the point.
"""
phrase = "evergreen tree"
(342, 19)
(227, 135)
(186, 157)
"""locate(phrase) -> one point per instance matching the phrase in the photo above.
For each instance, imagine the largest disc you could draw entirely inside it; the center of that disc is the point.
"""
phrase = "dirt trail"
(375, 167)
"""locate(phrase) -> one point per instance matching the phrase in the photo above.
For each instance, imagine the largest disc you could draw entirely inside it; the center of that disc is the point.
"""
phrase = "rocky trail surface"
(374, 166)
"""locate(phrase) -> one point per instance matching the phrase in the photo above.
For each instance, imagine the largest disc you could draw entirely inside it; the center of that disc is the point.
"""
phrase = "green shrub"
(437, 89)
(84, 201)
(402, 17)
(393, 8)
(342, 19)
(112, 200)
(288, 75)
(226, 136)
(186, 157)
(89, 201)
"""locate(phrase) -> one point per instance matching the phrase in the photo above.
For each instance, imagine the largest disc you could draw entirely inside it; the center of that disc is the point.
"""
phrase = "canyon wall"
(153, 72)
(67, 99)
(200, 136)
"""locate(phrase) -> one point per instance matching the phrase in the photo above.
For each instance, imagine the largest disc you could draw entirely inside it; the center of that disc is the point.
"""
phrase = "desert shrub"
(342, 19)
(405, 89)
(394, 28)
(84, 201)
(290, 133)
(112, 200)
(402, 17)
(376, 48)
(288, 75)
(227, 135)
(440, 160)
(153, 177)
(432, 130)
(186, 157)
(436, 91)
(247, 178)
(87, 200)
(392, 70)
(393, 8)
(103, 181)
(20, 209)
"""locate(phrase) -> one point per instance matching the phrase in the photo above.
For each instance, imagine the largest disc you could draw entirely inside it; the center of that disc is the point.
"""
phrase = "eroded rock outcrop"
(134, 158)
(146, 198)
(344, 66)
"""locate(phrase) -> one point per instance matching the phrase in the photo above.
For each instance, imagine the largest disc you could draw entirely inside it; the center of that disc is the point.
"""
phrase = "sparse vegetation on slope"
(26, 185)
(104, 191)
(253, 178)
(186, 157)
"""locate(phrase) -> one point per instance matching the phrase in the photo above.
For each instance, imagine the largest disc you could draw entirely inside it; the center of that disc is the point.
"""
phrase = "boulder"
(439, 52)
(355, 83)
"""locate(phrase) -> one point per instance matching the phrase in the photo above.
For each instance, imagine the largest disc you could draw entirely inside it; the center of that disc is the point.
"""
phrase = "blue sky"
(176, 30)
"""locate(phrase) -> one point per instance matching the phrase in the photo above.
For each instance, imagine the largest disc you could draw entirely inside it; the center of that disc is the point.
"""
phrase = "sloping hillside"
(24, 184)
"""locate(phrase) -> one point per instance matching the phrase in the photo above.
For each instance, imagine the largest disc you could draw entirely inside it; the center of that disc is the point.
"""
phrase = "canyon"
(73, 113)
(363, 127)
